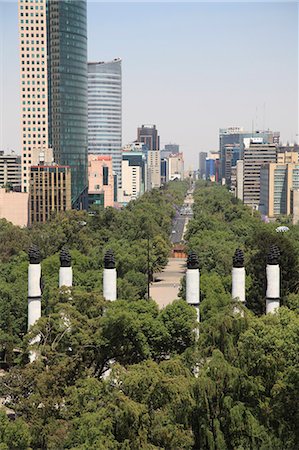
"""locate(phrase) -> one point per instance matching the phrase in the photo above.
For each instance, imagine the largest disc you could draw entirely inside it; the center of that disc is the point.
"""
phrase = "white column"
(34, 294)
(238, 283)
(273, 288)
(192, 286)
(110, 284)
(65, 276)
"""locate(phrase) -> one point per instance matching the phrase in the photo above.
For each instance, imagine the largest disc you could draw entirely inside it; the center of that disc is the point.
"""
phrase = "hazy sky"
(189, 68)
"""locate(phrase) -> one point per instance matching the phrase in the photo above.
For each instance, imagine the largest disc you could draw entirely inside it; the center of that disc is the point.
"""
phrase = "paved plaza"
(167, 286)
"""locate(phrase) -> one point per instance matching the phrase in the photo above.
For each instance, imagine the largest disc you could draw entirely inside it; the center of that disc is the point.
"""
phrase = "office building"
(100, 181)
(213, 167)
(202, 164)
(278, 182)
(50, 191)
(148, 134)
(105, 111)
(176, 166)
(53, 53)
(164, 170)
(255, 156)
(10, 171)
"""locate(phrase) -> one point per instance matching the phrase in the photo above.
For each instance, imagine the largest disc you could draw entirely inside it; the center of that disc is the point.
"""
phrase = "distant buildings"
(148, 134)
(172, 148)
(50, 191)
(212, 169)
(105, 111)
(10, 171)
(53, 55)
(100, 181)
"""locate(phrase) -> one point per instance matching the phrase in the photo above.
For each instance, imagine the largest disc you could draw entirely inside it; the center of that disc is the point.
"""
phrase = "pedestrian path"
(167, 285)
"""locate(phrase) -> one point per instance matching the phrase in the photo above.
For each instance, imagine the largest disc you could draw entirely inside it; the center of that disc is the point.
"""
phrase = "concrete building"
(10, 171)
(100, 180)
(50, 191)
(176, 166)
(14, 207)
(171, 148)
(255, 156)
(105, 111)
(278, 182)
(148, 134)
(53, 54)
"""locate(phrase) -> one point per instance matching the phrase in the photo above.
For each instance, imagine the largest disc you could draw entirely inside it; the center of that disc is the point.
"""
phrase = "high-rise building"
(134, 170)
(50, 191)
(255, 155)
(278, 181)
(34, 82)
(53, 53)
(10, 171)
(100, 181)
(105, 111)
(67, 73)
(148, 134)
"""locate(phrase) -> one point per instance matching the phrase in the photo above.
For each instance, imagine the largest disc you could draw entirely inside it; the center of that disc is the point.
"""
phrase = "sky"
(188, 68)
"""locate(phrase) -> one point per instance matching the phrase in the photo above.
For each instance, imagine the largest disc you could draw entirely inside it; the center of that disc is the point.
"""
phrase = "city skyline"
(180, 74)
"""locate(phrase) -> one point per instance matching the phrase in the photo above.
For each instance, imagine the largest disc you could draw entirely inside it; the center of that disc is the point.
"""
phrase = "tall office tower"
(255, 155)
(148, 134)
(50, 191)
(53, 51)
(67, 74)
(105, 111)
(176, 166)
(202, 164)
(34, 82)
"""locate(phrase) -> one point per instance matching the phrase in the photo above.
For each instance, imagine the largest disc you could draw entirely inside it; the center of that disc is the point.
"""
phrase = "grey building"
(105, 111)
(172, 148)
(67, 85)
(148, 134)
(10, 171)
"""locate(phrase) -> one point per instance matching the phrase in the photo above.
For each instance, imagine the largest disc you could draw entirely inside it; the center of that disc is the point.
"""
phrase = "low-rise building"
(100, 180)
(10, 171)
(14, 207)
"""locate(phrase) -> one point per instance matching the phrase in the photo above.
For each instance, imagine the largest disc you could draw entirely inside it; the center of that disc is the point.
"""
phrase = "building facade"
(202, 164)
(10, 171)
(278, 182)
(50, 191)
(148, 134)
(53, 55)
(14, 207)
(100, 181)
(105, 111)
(172, 148)
(255, 156)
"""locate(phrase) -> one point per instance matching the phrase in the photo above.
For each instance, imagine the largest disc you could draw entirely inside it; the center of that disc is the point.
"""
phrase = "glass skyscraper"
(105, 111)
(67, 79)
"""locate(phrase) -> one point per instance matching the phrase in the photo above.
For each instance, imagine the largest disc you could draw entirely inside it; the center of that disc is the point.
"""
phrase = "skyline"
(244, 76)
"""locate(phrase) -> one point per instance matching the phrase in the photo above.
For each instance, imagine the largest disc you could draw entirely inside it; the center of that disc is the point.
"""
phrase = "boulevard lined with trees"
(235, 388)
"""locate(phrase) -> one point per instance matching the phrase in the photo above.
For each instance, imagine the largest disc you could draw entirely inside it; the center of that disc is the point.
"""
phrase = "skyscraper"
(105, 111)
(67, 74)
(53, 53)
(148, 134)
